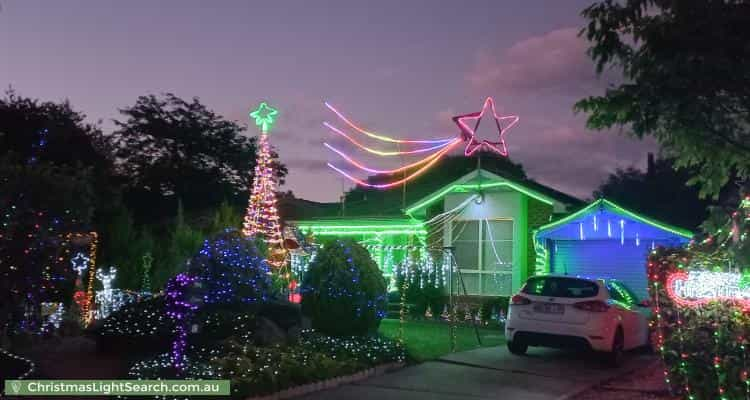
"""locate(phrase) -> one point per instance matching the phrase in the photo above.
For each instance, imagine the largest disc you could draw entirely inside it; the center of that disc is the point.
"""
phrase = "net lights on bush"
(263, 371)
(180, 310)
(230, 269)
(437, 147)
(701, 320)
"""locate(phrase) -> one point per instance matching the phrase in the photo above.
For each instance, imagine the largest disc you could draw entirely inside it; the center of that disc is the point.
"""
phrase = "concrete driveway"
(490, 373)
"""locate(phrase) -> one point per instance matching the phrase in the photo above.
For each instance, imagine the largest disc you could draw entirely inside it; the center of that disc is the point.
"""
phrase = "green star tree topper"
(265, 117)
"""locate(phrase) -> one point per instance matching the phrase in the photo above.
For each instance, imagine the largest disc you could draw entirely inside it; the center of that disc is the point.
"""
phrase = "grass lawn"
(427, 340)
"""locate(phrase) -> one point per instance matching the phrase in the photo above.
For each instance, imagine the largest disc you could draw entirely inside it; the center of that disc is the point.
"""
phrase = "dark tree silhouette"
(660, 192)
(69, 140)
(170, 149)
(686, 70)
(41, 203)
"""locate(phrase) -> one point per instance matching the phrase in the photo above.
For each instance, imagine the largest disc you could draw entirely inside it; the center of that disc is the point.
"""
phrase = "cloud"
(553, 62)
(572, 159)
(539, 78)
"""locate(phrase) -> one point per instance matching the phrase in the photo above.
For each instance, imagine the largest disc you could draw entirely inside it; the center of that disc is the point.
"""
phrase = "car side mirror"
(644, 303)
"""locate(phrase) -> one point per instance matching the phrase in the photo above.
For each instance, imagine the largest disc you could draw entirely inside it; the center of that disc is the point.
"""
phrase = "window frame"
(480, 245)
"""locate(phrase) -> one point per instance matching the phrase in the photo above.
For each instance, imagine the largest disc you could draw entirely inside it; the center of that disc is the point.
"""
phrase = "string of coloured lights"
(262, 217)
(438, 147)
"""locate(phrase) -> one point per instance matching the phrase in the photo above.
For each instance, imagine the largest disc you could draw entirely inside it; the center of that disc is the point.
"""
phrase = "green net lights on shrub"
(343, 283)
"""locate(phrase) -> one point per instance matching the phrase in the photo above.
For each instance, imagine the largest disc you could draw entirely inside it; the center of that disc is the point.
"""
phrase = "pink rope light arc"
(361, 166)
(381, 137)
(384, 153)
(400, 181)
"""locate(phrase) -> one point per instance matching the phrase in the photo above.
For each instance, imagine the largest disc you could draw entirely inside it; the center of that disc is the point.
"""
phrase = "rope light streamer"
(451, 216)
(387, 153)
(441, 146)
(361, 166)
(398, 182)
(380, 137)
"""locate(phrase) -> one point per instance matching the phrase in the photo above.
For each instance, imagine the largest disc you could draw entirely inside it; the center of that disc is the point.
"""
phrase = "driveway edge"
(313, 387)
(585, 387)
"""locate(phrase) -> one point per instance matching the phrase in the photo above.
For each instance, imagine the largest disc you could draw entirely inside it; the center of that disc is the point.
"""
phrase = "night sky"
(400, 68)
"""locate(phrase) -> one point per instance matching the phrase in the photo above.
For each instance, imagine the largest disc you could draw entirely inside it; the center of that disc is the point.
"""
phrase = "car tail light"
(593, 306)
(519, 300)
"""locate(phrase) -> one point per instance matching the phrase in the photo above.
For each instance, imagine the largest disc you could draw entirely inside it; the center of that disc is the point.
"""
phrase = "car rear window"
(560, 287)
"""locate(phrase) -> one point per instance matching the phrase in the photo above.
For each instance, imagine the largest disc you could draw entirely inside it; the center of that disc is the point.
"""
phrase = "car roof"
(602, 279)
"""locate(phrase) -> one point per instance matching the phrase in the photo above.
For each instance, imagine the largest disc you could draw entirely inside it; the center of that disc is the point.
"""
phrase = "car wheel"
(614, 358)
(517, 347)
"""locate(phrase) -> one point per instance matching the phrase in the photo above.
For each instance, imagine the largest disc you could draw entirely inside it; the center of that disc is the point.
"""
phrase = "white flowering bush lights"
(138, 327)
(256, 371)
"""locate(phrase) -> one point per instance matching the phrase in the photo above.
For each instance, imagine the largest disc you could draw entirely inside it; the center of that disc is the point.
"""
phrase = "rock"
(267, 333)
(306, 323)
(283, 313)
(293, 334)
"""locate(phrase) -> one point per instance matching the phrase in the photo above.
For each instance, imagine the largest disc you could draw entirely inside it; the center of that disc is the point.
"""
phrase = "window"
(484, 253)
(552, 286)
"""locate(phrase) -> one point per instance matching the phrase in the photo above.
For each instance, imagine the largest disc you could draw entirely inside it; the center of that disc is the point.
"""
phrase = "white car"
(565, 311)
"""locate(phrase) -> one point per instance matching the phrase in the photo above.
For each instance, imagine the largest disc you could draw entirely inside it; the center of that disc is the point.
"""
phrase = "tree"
(172, 149)
(41, 204)
(686, 70)
(123, 245)
(660, 192)
(68, 141)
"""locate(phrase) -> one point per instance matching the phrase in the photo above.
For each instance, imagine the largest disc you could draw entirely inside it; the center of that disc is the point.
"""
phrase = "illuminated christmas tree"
(262, 217)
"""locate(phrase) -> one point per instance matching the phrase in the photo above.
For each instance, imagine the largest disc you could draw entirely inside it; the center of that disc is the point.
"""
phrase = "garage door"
(605, 259)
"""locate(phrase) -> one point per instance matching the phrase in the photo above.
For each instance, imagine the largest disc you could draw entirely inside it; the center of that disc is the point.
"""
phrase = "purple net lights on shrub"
(180, 310)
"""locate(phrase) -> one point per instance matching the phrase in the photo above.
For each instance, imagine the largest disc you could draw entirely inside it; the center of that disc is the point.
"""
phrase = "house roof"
(402, 202)
(292, 209)
(603, 219)
(362, 226)
(483, 179)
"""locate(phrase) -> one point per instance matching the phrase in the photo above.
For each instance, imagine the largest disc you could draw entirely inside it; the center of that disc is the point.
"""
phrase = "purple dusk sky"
(400, 68)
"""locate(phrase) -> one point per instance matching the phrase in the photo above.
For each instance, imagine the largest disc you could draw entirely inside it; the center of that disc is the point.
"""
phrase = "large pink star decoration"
(469, 134)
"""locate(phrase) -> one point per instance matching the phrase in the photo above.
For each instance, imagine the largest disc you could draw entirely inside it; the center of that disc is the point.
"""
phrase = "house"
(497, 229)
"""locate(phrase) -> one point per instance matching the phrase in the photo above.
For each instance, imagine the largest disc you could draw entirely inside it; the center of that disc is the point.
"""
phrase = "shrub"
(494, 304)
(420, 296)
(144, 319)
(136, 327)
(255, 371)
(704, 347)
(343, 291)
(231, 270)
(707, 351)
